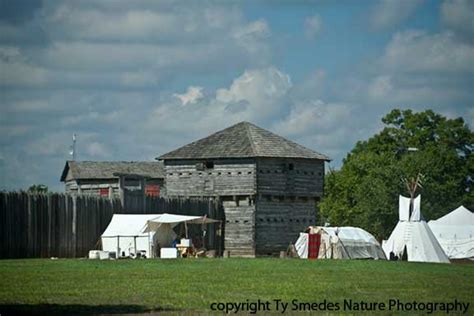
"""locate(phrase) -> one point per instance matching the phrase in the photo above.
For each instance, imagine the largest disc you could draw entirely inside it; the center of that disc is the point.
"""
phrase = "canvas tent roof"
(125, 231)
(153, 224)
(342, 243)
(415, 236)
(144, 230)
(455, 233)
(128, 225)
(243, 140)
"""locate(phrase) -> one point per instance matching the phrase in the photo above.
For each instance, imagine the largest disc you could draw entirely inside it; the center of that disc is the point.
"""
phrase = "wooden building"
(269, 186)
(108, 178)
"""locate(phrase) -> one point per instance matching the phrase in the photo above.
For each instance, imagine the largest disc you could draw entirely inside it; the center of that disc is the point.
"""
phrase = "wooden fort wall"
(233, 182)
(290, 177)
(267, 202)
(226, 178)
(94, 186)
(288, 191)
(279, 220)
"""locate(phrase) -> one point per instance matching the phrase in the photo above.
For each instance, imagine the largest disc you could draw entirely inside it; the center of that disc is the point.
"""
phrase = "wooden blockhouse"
(269, 186)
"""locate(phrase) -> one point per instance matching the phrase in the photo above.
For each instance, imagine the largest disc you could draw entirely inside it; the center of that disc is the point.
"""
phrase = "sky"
(136, 79)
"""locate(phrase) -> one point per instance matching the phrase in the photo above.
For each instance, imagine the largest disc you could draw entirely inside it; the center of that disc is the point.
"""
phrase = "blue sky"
(135, 79)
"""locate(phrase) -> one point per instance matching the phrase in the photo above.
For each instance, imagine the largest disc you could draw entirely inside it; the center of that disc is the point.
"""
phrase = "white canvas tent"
(128, 233)
(341, 243)
(163, 225)
(455, 233)
(413, 235)
(125, 231)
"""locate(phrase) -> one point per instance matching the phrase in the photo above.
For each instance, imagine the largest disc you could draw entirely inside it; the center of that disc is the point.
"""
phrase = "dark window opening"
(291, 166)
(209, 164)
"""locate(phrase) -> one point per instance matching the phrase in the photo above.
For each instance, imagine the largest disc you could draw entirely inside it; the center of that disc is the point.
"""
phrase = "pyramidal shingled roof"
(243, 140)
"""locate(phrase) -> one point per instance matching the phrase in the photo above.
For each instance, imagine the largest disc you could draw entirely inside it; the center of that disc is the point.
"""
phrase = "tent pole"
(149, 246)
(186, 229)
(118, 247)
(135, 245)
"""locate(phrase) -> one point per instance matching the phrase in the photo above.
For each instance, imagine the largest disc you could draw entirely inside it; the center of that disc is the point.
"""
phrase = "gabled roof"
(107, 169)
(243, 140)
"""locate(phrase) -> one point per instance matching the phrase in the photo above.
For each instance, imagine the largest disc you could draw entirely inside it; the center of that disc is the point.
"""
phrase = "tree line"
(364, 192)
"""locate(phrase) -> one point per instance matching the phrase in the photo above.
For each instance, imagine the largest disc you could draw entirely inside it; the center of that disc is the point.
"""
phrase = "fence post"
(74, 225)
(50, 202)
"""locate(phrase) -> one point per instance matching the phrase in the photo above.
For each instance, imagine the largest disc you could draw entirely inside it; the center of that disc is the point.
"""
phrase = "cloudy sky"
(135, 79)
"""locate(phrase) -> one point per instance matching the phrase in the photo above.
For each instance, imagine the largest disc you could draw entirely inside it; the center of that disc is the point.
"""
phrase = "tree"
(38, 188)
(364, 192)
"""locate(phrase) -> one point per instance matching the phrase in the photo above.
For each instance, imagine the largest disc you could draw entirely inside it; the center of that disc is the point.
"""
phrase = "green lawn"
(71, 285)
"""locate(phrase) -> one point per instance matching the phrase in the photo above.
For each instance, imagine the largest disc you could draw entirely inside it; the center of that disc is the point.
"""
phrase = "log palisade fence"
(68, 226)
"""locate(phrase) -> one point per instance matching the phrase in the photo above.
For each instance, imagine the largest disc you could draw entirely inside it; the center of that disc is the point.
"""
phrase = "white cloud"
(258, 95)
(380, 87)
(191, 96)
(17, 70)
(459, 15)
(254, 30)
(139, 78)
(312, 26)
(134, 45)
(388, 13)
(260, 87)
(413, 51)
(96, 149)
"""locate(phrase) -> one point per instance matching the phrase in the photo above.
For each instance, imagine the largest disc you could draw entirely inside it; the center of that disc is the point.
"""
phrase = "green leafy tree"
(364, 192)
(38, 188)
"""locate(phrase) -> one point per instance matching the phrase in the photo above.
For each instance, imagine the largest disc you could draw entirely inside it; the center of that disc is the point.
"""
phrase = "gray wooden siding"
(239, 234)
(227, 178)
(275, 177)
(93, 186)
(279, 222)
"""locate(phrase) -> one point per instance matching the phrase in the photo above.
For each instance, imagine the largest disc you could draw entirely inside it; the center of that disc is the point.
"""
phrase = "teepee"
(412, 237)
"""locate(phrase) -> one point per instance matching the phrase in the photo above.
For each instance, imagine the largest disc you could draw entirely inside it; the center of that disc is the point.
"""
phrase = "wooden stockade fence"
(67, 226)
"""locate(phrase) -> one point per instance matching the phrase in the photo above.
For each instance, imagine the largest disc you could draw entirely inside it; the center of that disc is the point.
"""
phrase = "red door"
(314, 243)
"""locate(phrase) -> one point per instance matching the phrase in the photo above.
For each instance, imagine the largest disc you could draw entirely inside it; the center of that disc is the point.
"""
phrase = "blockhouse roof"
(243, 140)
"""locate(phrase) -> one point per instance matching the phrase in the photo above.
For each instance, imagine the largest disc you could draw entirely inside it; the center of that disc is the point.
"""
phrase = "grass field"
(75, 285)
